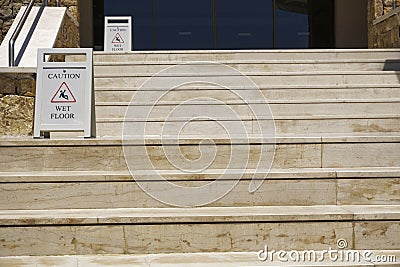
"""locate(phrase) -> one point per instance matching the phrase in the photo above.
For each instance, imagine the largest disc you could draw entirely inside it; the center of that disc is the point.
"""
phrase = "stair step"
(206, 101)
(171, 230)
(235, 110)
(262, 80)
(191, 87)
(219, 55)
(287, 93)
(271, 94)
(284, 125)
(107, 154)
(143, 68)
(232, 259)
(299, 187)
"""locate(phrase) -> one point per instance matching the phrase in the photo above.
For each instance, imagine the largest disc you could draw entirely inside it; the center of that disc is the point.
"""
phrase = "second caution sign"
(118, 34)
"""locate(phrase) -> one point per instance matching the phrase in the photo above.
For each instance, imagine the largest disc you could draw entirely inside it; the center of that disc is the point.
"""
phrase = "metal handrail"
(394, 4)
(21, 23)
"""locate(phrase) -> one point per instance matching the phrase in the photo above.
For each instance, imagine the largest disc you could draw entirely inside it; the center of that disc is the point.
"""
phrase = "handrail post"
(11, 56)
(394, 4)
(45, 2)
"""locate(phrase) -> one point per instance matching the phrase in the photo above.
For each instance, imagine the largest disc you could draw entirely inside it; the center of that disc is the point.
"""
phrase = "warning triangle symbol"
(118, 39)
(63, 95)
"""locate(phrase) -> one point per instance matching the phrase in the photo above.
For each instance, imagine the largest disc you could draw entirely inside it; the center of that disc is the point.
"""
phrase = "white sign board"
(64, 93)
(118, 34)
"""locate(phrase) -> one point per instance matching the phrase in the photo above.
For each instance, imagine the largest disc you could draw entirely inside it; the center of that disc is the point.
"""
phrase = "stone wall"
(68, 35)
(383, 24)
(382, 7)
(10, 8)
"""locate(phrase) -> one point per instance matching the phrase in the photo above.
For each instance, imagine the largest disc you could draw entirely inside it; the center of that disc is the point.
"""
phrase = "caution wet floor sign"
(64, 94)
(118, 34)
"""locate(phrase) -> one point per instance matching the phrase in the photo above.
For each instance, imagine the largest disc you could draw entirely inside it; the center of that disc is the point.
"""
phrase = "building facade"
(255, 24)
(235, 24)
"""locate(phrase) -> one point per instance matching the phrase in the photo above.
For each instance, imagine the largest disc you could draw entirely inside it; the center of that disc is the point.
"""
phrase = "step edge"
(199, 215)
(172, 140)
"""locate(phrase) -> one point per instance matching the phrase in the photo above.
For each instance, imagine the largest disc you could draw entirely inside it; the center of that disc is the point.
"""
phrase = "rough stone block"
(27, 86)
(16, 115)
(18, 84)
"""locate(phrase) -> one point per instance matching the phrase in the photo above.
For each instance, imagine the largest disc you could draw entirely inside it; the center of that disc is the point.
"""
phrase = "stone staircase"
(334, 176)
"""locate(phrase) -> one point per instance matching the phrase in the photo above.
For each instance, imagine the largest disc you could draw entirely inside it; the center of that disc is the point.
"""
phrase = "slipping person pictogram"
(63, 95)
(118, 39)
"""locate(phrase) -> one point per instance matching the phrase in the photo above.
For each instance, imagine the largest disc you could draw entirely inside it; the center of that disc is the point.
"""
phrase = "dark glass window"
(183, 24)
(244, 24)
(142, 19)
(292, 29)
(221, 24)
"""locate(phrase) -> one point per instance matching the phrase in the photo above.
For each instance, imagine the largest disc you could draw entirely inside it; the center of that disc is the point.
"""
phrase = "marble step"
(107, 154)
(284, 125)
(262, 80)
(276, 93)
(192, 230)
(290, 187)
(229, 259)
(237, 109)
(251, 66)
(224, 55)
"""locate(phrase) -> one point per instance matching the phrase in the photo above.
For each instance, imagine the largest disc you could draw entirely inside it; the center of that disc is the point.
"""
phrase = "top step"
(239, 55)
